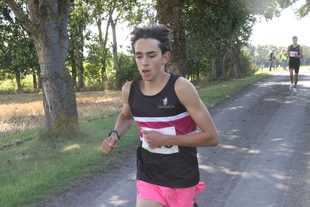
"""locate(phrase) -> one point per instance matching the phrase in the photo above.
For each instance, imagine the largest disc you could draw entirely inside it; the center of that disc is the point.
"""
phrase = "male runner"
(167, 110)
(295, 53)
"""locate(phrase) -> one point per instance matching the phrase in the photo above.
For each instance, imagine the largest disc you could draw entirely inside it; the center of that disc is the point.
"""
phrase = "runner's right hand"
(109, 144)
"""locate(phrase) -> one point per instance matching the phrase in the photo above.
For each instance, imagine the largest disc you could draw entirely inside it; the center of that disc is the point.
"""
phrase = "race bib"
(163, 149)
(294, 54)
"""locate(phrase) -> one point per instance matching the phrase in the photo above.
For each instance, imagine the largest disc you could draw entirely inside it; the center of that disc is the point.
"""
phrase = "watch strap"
(116, 132)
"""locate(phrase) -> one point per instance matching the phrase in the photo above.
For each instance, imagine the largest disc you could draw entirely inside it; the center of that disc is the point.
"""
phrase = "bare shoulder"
(127, 85)
(185, 90)
(183, 84)
(126, 89)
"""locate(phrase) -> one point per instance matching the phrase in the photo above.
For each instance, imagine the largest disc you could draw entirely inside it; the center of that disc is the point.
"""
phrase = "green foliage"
(8, 85)
(92, 75)
(304, 10)
(247, 61)
(306, 52)
(5, 75)
(18, 57)
(128, 69)
(211, 26)
(143, 13)
(198, 67)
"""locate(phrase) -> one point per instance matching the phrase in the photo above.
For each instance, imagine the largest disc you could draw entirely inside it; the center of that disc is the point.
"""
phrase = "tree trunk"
(234, 54)
(170, 12)
(58, 95)
(34, 82)
(71, 55)
(73, 72)
(79, 64)
(39, 78)
(17, 78)
(47, 25)
(115, 55)
(103, 44)
(217, 69)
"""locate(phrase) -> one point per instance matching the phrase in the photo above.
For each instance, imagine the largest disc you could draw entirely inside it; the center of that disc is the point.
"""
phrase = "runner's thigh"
(148, 203)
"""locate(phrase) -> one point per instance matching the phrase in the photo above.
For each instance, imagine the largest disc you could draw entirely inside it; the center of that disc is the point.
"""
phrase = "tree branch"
(22, 17)
(64, 12)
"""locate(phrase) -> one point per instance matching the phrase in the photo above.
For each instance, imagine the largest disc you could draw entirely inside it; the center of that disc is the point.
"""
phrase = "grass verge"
(34, 168)
(213, 95)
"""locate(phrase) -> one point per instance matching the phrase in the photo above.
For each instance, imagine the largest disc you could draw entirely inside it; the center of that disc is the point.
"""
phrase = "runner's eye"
(152, 55)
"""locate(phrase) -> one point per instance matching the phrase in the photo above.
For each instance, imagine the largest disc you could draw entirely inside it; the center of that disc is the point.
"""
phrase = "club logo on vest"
(165, 104)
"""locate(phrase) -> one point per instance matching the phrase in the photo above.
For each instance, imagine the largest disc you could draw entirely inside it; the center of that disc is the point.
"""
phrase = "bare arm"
(301, 52)
(123, 123)
(189, 97)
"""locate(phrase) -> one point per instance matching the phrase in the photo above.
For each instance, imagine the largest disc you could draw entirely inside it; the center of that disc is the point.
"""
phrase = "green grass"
(266, 70)
(40, 167)
(34, 168)
(213, 95)
(11, 86)
(17, 139)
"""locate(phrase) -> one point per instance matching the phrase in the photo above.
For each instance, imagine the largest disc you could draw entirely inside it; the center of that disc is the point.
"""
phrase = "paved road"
(262, 159)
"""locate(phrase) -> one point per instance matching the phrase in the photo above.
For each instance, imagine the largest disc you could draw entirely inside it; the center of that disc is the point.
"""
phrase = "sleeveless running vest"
(294, 63)
(169, 166)
(294, 50)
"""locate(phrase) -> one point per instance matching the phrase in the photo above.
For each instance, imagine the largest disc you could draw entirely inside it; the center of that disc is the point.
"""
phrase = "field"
(22, 112)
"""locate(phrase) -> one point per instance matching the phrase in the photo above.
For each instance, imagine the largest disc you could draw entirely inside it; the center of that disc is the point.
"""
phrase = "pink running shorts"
(169, 197)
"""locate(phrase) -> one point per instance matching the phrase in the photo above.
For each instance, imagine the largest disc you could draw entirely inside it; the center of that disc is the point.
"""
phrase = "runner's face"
(295, 41)
(149, 58)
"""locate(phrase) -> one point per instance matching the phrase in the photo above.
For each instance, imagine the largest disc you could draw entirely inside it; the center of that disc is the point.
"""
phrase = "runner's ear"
(166, 57)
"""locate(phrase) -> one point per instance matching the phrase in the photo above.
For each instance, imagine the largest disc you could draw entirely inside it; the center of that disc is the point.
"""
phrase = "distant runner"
(295, 53)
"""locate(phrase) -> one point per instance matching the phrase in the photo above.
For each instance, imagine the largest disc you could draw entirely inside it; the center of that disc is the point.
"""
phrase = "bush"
(128, 70)
(248, 66)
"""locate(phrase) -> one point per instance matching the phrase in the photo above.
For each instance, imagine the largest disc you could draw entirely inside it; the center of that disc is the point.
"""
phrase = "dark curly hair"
(159, 32)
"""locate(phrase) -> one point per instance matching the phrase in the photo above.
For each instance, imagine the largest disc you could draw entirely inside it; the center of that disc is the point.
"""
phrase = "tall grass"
(20, 112)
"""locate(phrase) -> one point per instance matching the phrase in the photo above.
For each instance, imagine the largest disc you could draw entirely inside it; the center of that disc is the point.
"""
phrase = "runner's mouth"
(146, 72)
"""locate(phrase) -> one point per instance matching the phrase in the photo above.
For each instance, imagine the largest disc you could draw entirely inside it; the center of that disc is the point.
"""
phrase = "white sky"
(279, 31)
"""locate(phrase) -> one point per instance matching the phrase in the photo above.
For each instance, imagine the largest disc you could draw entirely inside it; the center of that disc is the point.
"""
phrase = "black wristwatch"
(116, 132)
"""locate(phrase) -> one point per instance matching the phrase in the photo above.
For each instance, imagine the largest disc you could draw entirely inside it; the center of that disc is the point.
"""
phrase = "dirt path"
(262, 159)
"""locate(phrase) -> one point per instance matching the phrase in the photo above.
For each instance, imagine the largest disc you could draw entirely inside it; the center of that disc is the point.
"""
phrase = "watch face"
(116, 132)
